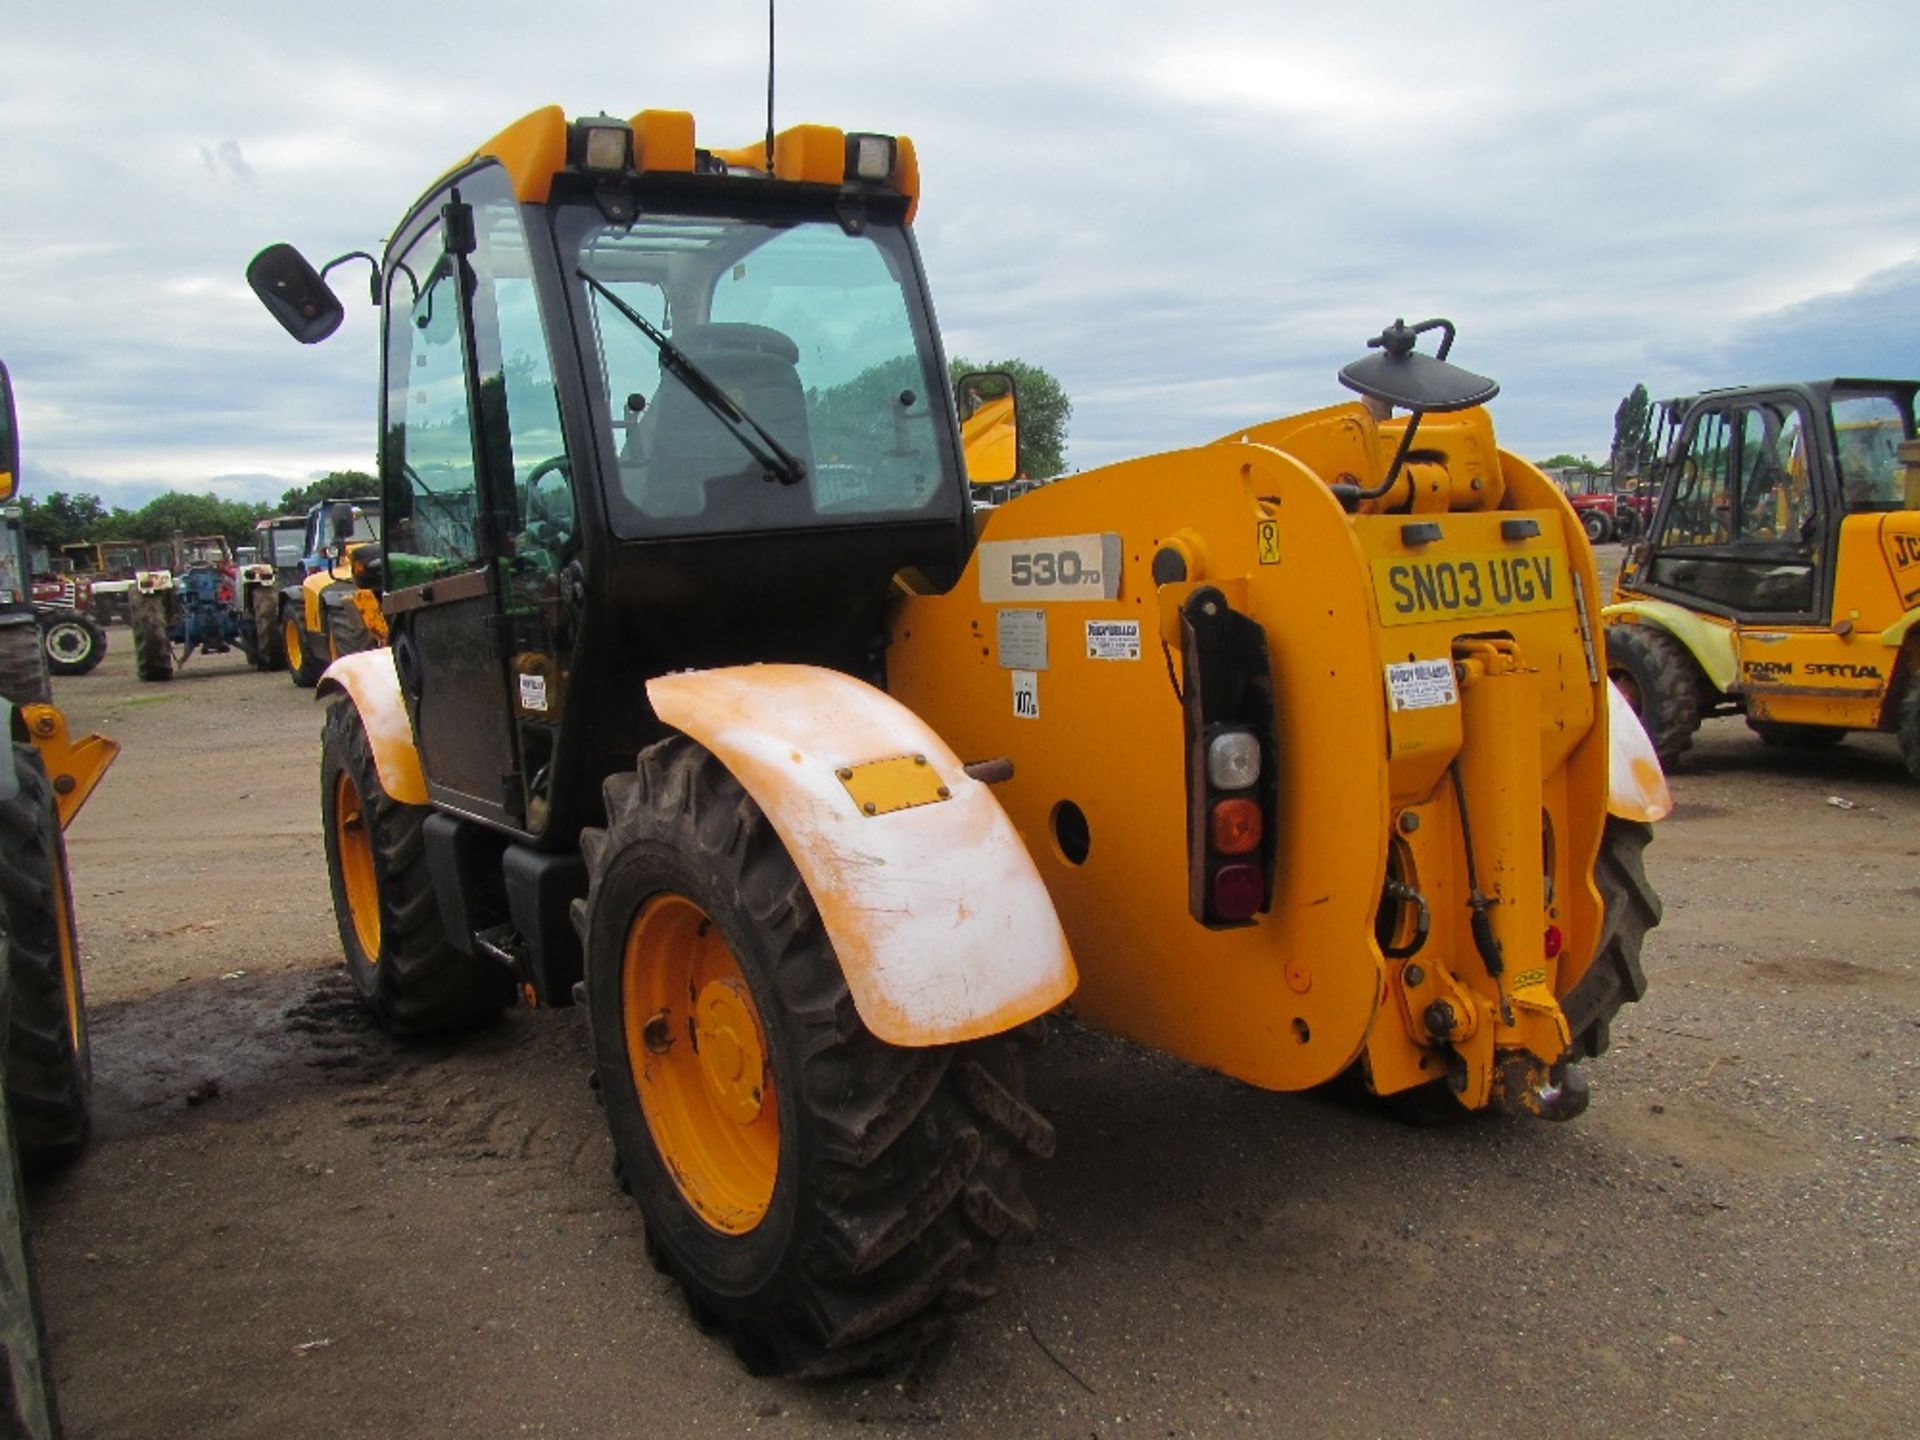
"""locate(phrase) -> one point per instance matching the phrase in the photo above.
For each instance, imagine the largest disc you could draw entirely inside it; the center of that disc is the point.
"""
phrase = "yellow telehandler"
(710, 703)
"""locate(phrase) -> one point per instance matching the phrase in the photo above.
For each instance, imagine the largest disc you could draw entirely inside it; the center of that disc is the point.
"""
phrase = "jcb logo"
(1906, 551)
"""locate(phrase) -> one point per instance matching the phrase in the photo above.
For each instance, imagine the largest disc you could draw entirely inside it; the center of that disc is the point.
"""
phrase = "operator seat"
(686, 446)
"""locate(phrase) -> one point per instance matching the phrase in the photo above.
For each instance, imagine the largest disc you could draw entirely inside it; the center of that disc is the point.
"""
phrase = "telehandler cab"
(1301, 738)
(1781, 576)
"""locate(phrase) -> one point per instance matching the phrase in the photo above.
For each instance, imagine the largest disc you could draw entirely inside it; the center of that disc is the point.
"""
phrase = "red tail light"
(1554, 942)
(1238, 891)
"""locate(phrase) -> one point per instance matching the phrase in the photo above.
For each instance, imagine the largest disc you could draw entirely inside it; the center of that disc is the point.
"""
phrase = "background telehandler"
(1300, 738)
(1781, 576)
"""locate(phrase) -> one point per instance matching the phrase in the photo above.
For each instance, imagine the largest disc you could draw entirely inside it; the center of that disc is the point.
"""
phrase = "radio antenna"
(769, 87)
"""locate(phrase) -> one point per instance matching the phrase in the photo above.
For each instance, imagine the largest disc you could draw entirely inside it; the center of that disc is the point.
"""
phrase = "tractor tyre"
(1599, 527)
(347, 632)
(824, 1199)
(1662, 683)
(1632, 907)
(74, 640)
(1908, 728)
(49, 1066)
(269, 643)
(398, 958)
(23, 665)
(1789, 736)
(303, 664)
(152, 650)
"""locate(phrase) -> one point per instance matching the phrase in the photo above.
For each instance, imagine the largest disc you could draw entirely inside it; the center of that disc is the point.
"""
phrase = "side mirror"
(1397, 374)
(294, 294)
(9, 440)
(989, 412)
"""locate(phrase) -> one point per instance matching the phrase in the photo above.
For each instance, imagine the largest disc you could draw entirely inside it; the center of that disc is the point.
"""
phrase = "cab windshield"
(813, 337)
(1867, 431)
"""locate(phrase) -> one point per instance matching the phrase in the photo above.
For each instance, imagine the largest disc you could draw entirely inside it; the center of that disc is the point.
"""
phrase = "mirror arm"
(373, 279)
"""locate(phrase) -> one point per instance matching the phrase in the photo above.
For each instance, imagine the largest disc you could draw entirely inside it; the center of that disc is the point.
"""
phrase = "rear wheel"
(347, 632)
(1909, 726)
(1598, 527)
(303, 664)
(23, 664)
(1796, 737)
(823, 1198)
(398, 957)
(269, 645)
(1661, 682)
(49, 1066)
(152, 650)
(1632, 908)
(75, 642)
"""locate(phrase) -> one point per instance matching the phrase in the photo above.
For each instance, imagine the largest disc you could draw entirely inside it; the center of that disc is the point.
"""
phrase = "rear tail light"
(1227, 693)
(1235, 827)
(1238, 893)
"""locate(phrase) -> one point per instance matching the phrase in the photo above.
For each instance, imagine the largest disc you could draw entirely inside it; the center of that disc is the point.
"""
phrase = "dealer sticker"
(1421, 684)
(533, 692)
(1026, 695)
(1113, 639)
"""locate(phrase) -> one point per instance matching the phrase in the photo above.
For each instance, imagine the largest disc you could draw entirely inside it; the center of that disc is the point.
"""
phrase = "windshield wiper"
(782, 464)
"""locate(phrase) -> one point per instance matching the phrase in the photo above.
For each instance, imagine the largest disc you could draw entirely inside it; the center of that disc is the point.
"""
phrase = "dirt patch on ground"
(289, 1226)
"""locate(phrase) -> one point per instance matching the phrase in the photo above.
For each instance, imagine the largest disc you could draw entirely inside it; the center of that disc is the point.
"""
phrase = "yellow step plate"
(880, 787)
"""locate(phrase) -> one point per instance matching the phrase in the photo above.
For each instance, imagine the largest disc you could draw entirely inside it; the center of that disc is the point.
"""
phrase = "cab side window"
(1701, 510)
(429, 480)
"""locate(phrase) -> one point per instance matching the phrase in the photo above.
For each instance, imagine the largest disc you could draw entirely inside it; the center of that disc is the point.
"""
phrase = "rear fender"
(369, 680)
(938, 916)
(1710, 645)
(1636, 785)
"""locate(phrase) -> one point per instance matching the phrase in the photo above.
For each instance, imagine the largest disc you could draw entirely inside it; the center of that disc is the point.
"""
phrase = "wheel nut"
(658, 1034)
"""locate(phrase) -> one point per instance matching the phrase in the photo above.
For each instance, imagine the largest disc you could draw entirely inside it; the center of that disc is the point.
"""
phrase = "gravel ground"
(288, 1226)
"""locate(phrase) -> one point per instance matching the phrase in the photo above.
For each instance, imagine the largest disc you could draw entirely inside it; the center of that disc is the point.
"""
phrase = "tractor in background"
(192, 610)
(279, 550)
(1781, 577)
(321, 610)
(712, 700)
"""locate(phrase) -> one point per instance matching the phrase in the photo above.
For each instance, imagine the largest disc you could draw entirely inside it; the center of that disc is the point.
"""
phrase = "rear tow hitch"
(1529, 1088)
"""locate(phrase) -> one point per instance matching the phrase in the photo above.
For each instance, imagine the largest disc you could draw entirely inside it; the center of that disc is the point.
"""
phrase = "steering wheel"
(547, 467)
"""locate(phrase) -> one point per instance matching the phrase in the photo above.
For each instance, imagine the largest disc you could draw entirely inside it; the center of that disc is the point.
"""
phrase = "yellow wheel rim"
(699, 1059)
(354, 844)
(290, 637)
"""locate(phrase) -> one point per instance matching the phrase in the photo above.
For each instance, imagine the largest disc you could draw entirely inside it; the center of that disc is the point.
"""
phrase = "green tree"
(175, 513)
(1569, 462)
(334, 485)
(1044, 411)
(1632, 435)
(60, 519)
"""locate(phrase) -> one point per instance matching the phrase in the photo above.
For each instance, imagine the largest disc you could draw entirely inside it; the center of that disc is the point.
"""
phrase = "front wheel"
(347, 631)
(152, 649)
(824, 1198)
(1598, 527)
(303, 664)
(1632, 907)
(49, 1066)
(402, 967)
(75, 642)
(1661, 682)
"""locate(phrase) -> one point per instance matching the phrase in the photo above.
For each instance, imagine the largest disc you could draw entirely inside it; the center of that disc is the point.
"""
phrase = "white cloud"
(1192, 217)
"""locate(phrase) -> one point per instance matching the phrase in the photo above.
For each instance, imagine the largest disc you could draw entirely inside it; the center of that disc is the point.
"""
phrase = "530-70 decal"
(1050, 567)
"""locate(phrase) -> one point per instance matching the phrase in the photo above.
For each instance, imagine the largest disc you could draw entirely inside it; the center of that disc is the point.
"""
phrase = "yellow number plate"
(1413, 588)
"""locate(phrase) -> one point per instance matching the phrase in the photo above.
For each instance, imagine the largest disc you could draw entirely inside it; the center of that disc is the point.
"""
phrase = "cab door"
(470, 431)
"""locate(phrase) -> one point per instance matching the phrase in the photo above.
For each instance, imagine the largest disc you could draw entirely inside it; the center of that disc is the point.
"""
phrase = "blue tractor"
(189, 610)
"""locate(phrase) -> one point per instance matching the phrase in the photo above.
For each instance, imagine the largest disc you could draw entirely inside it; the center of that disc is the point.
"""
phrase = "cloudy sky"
(1192, 216)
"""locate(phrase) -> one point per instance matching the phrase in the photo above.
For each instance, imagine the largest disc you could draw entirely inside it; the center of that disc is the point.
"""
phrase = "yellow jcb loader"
(1781, 576)
(710, 703)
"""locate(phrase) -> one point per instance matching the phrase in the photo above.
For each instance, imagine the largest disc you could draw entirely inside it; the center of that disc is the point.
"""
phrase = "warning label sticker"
(1113, 639)
(1026, 695)
(533, 692)
(1023, 639)
(1421, 684)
